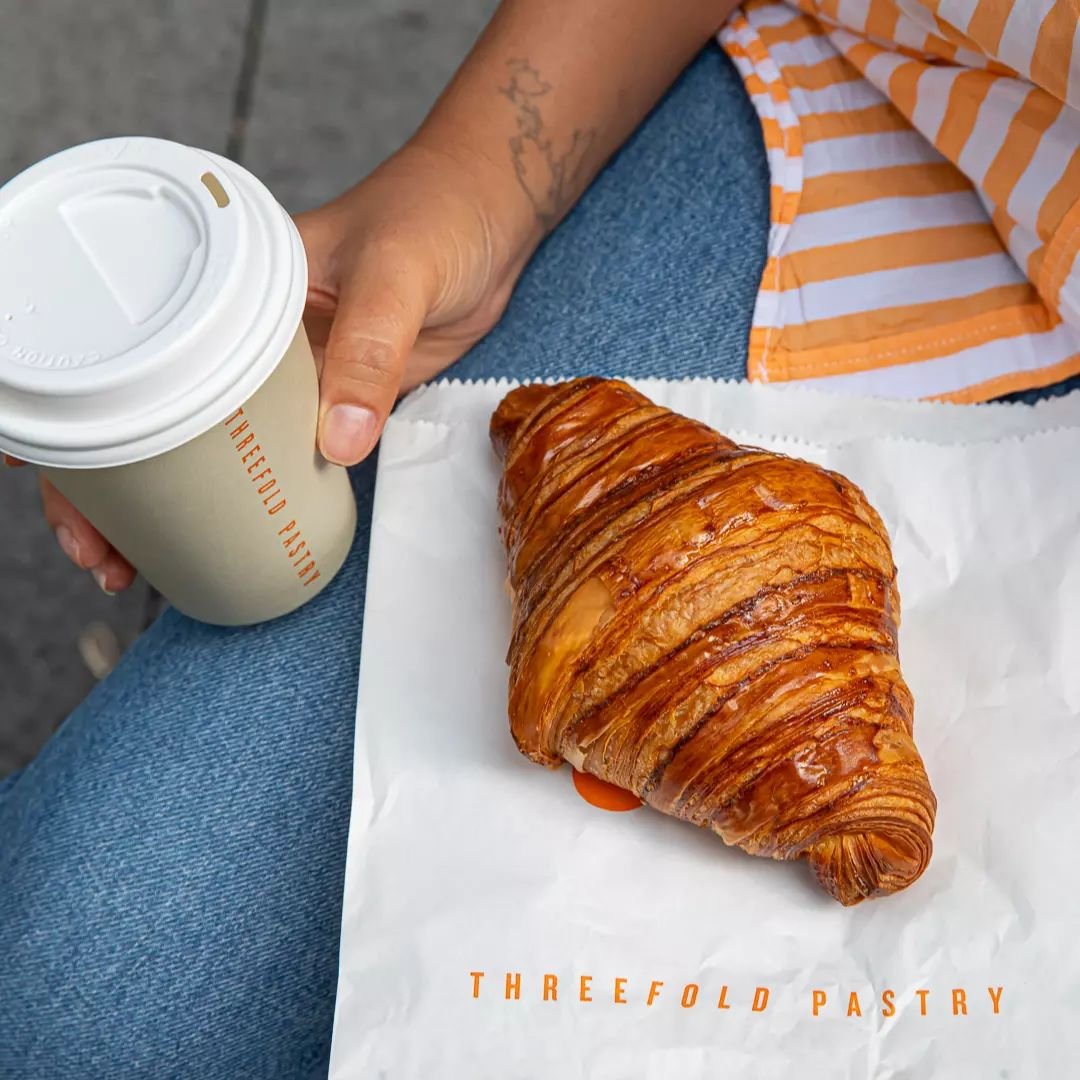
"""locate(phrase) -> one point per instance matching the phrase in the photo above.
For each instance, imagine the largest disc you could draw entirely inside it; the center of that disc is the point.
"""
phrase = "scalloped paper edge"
(746, 437)
(890, 418)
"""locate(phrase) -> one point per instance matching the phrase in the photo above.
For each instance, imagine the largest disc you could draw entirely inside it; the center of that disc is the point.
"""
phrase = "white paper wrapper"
(465, 858)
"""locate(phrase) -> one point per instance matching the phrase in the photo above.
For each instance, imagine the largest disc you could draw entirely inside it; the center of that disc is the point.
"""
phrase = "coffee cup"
(154, 364)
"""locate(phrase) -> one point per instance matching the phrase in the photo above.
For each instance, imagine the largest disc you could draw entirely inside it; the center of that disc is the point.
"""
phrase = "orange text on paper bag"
(590, 990)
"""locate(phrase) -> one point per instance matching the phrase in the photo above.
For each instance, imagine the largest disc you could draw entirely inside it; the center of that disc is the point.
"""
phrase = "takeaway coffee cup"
(153, 362)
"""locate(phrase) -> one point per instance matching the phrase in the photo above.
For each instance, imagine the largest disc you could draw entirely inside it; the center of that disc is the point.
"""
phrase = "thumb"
(373, 332)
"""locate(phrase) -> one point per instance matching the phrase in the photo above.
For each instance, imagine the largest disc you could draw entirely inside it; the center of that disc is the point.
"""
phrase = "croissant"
(712, 627)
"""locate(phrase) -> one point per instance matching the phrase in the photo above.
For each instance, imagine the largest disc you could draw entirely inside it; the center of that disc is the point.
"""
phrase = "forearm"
(551, 90)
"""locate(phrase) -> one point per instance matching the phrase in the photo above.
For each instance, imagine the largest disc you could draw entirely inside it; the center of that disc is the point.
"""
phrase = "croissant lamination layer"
(712, 627)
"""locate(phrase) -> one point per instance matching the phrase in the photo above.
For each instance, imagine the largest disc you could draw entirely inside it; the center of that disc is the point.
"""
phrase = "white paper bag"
(497, 925)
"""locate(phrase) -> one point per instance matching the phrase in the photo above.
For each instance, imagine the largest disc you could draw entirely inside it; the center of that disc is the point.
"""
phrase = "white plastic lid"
(147, 290)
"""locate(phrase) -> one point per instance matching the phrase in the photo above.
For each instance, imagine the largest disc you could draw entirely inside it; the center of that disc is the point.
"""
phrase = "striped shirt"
(925, 212)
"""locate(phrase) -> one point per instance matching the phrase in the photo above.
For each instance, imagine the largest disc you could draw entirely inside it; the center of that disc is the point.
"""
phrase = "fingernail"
(102, 581)
(348, 433)
(68, 544)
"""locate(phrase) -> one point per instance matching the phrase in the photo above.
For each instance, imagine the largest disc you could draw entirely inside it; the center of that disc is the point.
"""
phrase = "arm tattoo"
(547, 176)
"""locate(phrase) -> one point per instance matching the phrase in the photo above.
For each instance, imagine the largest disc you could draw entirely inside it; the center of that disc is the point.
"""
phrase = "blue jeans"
(171, 865)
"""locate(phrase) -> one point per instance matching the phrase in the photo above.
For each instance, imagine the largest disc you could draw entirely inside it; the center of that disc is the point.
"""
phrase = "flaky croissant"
(712, 627)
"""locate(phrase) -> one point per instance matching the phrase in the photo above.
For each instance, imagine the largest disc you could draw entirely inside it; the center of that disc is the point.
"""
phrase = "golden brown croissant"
(712, 627)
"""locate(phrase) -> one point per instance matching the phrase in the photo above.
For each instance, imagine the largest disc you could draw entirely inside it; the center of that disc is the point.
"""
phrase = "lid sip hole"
(213, 185)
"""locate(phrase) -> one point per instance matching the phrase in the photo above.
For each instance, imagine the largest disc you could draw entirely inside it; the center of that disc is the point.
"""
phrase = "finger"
(78, 539)
(317, 324)
(83, 544)
(321, 238)
(378, 319)
(324, 233)
(114, 573)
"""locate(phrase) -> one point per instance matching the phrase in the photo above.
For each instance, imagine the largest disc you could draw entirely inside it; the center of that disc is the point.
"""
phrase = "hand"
(407, 270)
(80, 541)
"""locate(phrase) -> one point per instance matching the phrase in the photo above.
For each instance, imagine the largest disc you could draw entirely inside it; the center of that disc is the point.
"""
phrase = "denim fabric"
(1029, 397)
(171, 865)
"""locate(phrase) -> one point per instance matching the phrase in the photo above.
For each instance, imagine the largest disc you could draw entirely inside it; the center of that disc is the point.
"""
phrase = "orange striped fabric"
(925, 206)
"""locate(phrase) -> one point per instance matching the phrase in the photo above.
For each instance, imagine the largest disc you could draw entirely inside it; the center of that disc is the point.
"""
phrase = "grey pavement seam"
(244, 97)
